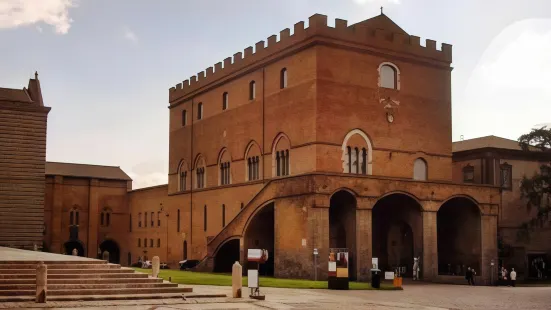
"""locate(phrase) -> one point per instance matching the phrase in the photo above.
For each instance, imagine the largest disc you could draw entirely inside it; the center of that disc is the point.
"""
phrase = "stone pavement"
(414, 296)
(10, 254)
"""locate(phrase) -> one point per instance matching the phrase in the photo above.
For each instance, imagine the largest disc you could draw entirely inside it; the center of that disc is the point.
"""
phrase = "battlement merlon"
(399, 43)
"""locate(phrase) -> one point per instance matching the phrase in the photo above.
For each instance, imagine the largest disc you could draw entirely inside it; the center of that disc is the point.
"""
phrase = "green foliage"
(536, 190)
(205, 278)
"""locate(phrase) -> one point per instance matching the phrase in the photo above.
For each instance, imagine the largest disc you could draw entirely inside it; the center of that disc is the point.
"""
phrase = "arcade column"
(488, 230)
(429, 264)
(364, 237)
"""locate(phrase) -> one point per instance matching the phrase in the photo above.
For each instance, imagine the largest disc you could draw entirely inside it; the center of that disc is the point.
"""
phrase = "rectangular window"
(184, 118)
(152, 219)
(145, 219)
(139, 220)
(468, 174)
(200, 111)
(506, 176)
(145, 243)
(150, 243)
(178, 219)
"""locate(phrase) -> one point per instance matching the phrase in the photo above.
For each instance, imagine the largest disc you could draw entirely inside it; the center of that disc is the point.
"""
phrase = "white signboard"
(332, 266)
(375, 262)
(389, 275)
(252, 280)
(254, 254)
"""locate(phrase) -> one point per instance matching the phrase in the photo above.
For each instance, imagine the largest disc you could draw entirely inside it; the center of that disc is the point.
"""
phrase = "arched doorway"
(226, 256)
(74, 244)
(259, 234)
(459, 236)
(113, 248)
(342, 226)
(397, 232)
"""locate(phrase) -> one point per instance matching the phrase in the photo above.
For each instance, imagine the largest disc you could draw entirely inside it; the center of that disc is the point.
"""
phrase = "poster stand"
(256, 257)
(338, 278)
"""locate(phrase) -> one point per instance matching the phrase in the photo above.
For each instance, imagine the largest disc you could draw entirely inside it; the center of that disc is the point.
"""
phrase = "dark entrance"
(260, 235)
(397, 232)
(459, 237)
(75, 244)
(342, 226)
(226, 256)
(113, 248)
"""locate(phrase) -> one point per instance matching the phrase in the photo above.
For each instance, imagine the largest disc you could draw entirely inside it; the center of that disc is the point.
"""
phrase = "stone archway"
(226, 256)
(397, 232)
(113, 248)
(458, 236)
(342, 226)
(74, 244)
(260, 234)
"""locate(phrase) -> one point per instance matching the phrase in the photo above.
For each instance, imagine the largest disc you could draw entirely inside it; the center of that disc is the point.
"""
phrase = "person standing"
(469, 275)
(513, 276)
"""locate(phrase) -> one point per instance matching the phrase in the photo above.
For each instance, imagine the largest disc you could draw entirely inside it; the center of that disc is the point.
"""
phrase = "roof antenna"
(36, 75)
(382, 11)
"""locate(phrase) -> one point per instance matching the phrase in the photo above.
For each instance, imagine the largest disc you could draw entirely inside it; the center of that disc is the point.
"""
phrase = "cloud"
(508, 92)
(130, 35)
(362, 2)
(18, 13)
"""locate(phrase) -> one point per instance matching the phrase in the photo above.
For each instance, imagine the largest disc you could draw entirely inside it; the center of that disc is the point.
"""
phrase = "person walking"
(513, 276)
(473, 274)
(469, 275)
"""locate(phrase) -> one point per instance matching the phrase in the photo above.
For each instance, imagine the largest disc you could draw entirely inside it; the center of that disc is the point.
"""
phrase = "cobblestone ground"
(414, 296)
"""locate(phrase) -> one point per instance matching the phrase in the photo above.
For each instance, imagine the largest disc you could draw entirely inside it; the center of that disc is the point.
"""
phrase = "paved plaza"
(414, 296)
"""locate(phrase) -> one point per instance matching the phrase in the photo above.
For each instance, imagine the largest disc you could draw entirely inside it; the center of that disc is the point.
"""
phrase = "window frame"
(252, 90)
(199, 111)
(283, 78)
(468, 169)
(503, 167)
(184, 118)
(396, 71)
(225, 101)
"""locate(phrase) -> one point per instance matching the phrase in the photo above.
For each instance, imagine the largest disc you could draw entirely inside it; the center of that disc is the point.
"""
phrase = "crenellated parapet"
(317, 30)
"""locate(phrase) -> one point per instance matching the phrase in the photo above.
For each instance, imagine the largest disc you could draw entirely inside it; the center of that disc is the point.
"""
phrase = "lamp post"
(316, 264)
(165, 213)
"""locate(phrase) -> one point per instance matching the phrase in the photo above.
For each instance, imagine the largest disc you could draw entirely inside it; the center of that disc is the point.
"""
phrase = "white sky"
(106, 66)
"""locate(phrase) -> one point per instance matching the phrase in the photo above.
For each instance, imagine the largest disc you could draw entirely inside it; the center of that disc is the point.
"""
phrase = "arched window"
(184, 118)
(73, 217)
(205, 217)
(283, 78)
(105, 217)
(280, 156)
(225, 98)
(252, 154)
(356, 153)
(200, 111)
(152, 219)
(182, 176)
(224, 163)
(201, 177)
(223, 215)
(252, 90)
(145, 219)
(159, 219)
(389, 76)
(420, 169)
(140, 219)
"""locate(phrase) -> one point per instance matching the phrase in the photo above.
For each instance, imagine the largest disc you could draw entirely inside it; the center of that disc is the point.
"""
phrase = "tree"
(536, 190)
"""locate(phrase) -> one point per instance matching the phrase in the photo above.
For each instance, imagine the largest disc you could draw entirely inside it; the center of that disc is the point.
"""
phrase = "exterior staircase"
(82, 280)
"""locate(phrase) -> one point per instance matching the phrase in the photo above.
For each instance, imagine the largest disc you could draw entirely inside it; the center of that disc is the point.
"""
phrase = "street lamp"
(165, 213)
(316, 264)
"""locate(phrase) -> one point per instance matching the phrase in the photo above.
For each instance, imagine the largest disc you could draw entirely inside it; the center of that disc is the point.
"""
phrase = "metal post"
(315, 264)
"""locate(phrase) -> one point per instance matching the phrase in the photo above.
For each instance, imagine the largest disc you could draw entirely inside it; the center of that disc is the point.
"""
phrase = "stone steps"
(98, 291)
(83, 286)
(64, 266)
(83, 281)
(65, 271)
(76, 276)
(94, 297)
(50, 263)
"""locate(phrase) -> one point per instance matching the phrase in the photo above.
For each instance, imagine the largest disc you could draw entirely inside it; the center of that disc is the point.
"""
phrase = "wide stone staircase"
(82, 280)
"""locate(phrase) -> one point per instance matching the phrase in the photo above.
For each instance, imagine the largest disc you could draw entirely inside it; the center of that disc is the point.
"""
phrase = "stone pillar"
(155, 266)
(41, 282)
(237, 280)
(429, 265)
(364, 243)
(55, 228)
(318, 226)
(488, 230)
(93, 214)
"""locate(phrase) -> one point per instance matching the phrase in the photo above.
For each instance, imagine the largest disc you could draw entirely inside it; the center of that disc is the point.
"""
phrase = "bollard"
(155, 266)
(237, 280)
(41, 282)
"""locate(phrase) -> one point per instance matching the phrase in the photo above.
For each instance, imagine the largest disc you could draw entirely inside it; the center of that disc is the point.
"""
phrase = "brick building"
(501, 162)
(23, 121)
(284, 148)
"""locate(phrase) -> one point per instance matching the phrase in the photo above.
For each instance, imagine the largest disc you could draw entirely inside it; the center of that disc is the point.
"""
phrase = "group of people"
(469, 276)
(509, 276)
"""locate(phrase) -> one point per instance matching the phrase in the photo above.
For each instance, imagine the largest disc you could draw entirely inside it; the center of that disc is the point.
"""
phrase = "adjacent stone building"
(23, 122)
(501, 162)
